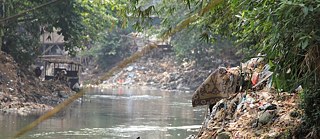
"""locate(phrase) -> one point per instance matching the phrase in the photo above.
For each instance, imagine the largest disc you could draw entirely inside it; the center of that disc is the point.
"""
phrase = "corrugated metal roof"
(58, 59)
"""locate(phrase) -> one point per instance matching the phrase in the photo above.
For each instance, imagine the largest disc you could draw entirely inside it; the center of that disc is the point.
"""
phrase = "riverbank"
(255, 113)
(22, 92)
(160, 69)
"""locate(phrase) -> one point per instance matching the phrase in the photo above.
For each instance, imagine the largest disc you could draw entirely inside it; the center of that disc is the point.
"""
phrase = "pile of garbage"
(254, 111)
(253, 115)
(22, 92)
(161, 70)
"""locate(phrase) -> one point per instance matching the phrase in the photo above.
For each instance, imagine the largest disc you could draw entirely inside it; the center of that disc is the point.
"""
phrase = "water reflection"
(120, 113)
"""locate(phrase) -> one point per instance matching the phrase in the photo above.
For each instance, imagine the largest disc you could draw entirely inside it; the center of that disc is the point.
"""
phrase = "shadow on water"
(117, 113)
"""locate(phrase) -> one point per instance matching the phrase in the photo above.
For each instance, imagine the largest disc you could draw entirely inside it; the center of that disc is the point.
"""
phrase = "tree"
(110, 48)
(79, 22)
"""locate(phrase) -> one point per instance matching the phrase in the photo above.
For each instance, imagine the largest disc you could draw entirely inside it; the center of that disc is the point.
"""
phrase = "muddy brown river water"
(115, 114)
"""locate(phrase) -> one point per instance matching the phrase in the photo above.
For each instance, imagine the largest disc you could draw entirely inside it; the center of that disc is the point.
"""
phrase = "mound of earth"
(22, 92)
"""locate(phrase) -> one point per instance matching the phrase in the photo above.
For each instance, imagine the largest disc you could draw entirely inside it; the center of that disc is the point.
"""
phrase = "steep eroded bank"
(22, 92)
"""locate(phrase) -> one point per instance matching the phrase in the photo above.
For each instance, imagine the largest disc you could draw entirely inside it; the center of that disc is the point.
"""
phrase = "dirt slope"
(22, 92)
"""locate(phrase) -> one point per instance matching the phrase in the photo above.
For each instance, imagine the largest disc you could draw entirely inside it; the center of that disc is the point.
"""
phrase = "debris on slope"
(251, 113)
(160, 69)
(22, 92)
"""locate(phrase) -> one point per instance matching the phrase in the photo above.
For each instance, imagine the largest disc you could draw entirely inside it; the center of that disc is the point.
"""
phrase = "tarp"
(220, 84)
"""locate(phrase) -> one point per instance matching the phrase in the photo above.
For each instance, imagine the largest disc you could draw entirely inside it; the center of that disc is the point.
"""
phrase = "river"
(117, 113)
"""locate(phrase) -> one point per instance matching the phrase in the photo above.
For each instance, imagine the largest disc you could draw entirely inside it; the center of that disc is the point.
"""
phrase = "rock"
(266, 116)
(224, 135)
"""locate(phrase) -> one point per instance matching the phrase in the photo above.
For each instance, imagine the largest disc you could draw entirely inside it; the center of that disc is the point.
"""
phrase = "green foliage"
(79, 21)
(109, 48)
(25, 48)
(287, 31)
(205, 54)
(112, 44)
(312, 108)
(188, 43)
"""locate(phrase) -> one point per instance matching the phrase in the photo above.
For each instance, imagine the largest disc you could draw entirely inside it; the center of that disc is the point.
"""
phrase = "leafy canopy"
(79, 21)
